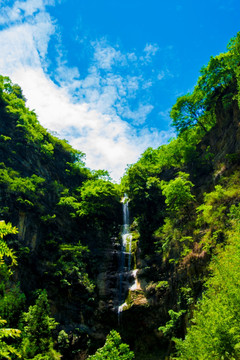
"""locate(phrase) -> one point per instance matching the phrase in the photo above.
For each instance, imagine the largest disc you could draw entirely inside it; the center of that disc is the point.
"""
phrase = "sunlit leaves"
(217, 74)
(113, 349)
(173, 324)
(99, 200)
(26, 190)
(215, 209)
(188, 112)
(178, 192)
(215, 332)
(70, 269)
(6, 350)
(234, 48)
(5, 251)
(37, 335)
(197, 108)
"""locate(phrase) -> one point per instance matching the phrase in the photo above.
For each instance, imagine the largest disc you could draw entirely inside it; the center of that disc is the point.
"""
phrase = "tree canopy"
(113, 348)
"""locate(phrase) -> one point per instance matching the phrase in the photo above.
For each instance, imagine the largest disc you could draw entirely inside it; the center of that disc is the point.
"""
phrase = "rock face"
(224, 138)
(222, 143)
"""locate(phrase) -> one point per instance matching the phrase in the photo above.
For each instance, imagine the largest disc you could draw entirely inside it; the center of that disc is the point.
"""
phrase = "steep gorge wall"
(37, 244)
(218, 156)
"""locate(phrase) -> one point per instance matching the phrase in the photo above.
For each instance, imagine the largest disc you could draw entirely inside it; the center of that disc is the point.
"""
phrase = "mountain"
(146, 276)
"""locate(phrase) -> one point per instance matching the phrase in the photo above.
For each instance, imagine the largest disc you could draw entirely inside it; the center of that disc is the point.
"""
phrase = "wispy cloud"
(150, 51)
(115, 79)
(139, 115)
(106, 56)
(22, 10)
(94, 113)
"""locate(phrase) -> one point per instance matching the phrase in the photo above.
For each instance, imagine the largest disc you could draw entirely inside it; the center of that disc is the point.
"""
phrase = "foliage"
(221, 73)
(142, 181)
(99, 201)
(193, 115)
(215, 208)
(234, 48)
(188, 111)
(215, 326)
(6, 229)
(12, 302)
(187, 226)
(162, 284)
(113, 349)
(173, 325)
(6, 350)
(66, 213)
(177, 192)
(5, 252)
(70, 269)
(63, 340)
(8, 88)
(215, 77)
(74, 212)
(37, 334)
(27, 190)
(70, 203)
(166, 235)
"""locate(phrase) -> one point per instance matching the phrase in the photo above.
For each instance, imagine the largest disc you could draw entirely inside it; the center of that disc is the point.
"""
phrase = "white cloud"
(161, 75)
(106, 56)
(139, 116)
(150, 50)
(17, 48)
(87, 111)
(22, 9)
(109, 142)
(26, 43)
(42, 30)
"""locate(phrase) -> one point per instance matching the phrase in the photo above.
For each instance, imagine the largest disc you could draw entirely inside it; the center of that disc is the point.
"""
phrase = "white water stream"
(126, 235)
(125, 262)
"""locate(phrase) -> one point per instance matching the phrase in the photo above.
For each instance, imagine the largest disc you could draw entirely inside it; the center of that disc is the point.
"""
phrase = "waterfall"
(126, 235)
(126, 247)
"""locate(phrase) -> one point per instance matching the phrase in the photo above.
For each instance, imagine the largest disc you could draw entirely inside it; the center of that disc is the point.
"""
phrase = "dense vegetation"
(59, 235)
(66, 216)
(183, 197)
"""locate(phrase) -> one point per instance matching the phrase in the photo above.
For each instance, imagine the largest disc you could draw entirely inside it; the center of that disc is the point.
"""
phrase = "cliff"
(69, 221)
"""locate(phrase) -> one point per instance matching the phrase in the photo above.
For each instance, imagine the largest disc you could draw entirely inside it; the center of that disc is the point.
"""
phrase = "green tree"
(70, 269)
(100, 201)
(7, 351)
(5, 252)
(215, 77)
(214, 333)
(8, 87)
(234, 60)
(174, 324)
(221, 73)
(178, 193)
(37, 334)
(113, 349)
(188, 111)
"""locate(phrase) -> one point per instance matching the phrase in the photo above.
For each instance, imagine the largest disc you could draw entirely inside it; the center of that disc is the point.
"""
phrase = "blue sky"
(104, 74)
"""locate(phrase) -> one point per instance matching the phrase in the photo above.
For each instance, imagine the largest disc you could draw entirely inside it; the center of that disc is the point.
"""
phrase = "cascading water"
(126, 235)
(125, 252)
